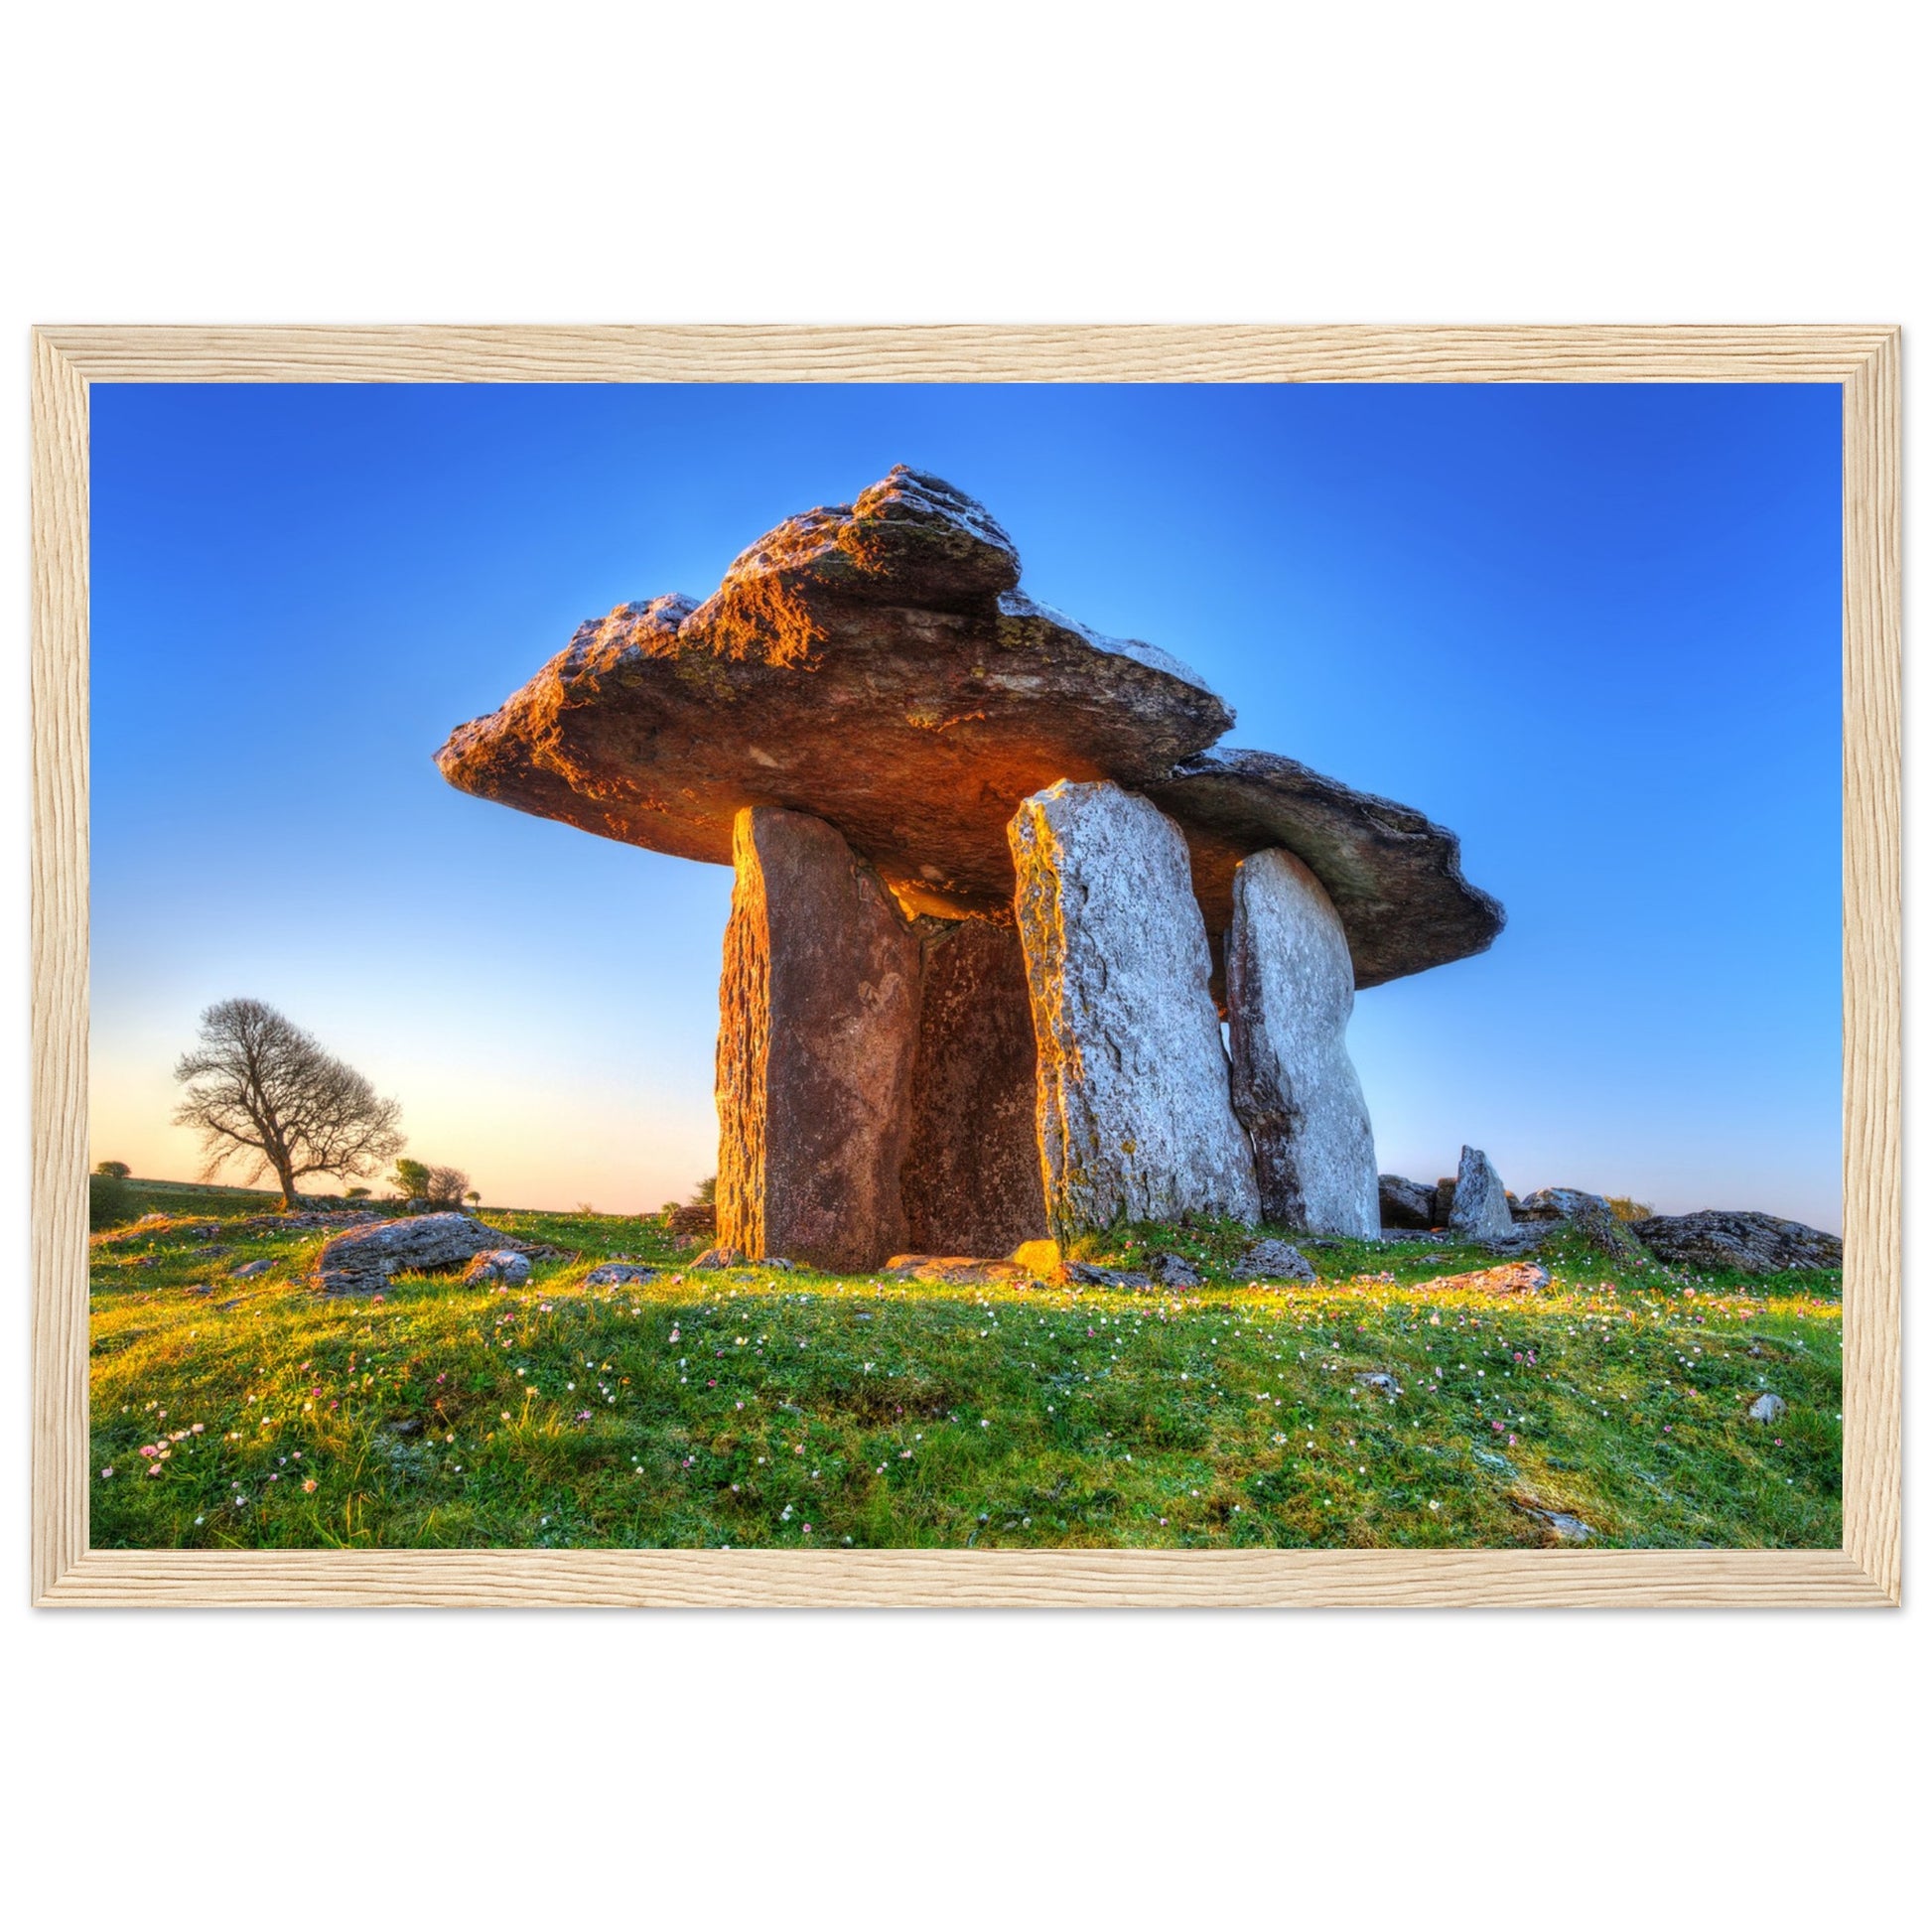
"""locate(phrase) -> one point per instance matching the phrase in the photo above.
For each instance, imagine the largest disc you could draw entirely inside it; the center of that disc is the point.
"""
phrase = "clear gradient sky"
(1593, 630)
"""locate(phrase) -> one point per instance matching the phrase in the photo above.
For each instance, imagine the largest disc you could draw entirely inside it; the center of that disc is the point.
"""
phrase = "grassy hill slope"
(766, 1409)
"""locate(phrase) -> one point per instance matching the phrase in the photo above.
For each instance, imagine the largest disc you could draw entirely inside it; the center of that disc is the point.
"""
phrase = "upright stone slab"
(971, 1180)
(1133, 1111)
(1480, 1210)
(818, 1026)
(1290, 990)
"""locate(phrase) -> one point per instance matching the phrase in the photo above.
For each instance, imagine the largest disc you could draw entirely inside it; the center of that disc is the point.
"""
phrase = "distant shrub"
(582, 1207)
(356, 1193)
(112, 1170)
(411, 1179)
(1626, 1209)
(110, 1201)
(706, 1192)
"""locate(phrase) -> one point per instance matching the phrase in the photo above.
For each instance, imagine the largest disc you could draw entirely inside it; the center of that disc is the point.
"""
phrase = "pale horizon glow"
(1596, 631)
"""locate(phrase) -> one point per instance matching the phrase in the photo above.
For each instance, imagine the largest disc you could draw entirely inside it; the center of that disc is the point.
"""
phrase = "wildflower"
(107, 1473)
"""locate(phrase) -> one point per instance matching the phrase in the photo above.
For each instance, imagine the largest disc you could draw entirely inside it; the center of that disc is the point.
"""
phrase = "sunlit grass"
(773, 1409)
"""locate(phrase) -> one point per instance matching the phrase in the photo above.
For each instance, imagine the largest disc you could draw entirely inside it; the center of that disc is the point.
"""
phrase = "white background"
(565, 162)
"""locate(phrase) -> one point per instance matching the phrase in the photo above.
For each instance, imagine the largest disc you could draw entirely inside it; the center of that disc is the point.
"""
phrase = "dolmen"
(1017, 949)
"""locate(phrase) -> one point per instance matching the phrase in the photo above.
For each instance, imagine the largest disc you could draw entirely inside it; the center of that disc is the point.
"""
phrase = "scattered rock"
(1174, 1271)
(1269, 1259)
(819, 1022)
(1560, 1522)
(1290, 989)
(720, 1257)
(1381, 1381)
(1134, 1115)
(362, 1260)
(1406, 1204)
(248, 1268)
(1752, 1244)
(694, 1217)
(499, 1265)
(874, 663)
(1093, 1275)
(1589, 1214)
(620, 1274)
(954, 1271)
(1479, 1208)
(1514, 1278)
(971, 1179)
(1768, 1408)
(199, 1288)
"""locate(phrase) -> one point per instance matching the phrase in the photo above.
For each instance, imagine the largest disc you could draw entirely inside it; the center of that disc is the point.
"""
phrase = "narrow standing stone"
(818, 1024)
(1480, 1210)
(1290, 990)
(1134, 1115)
(971, 1180)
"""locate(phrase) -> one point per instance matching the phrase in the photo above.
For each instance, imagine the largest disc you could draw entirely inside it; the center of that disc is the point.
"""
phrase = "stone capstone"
(874, 664)
(362, 1261)
(818, 1027)
(971, 1181)
(1133, 1112)
(1478, 1210)
(1749, 1243)
(1394, 878)
(1289, 992)
(1406, 1204)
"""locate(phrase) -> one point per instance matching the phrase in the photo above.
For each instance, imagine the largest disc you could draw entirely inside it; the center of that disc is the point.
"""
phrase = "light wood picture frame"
(1863, 360)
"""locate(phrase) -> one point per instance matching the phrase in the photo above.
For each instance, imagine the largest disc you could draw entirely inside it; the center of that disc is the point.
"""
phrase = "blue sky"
(1593, 630)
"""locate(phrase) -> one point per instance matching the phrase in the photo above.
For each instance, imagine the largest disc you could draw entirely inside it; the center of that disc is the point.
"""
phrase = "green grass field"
(766, 1409)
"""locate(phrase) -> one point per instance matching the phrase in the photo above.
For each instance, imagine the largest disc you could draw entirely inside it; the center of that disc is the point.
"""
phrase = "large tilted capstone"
(818, 1027)
(1134, 1115)
(1290, 990)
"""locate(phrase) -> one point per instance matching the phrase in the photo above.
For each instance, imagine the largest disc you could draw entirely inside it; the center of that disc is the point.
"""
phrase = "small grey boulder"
(362, 1261)
(719, 1258)
(1174, 1271)
(618, 1274)
(1273, 1261)
(1381, 1381)
(1768, 1408)
(499, 1265)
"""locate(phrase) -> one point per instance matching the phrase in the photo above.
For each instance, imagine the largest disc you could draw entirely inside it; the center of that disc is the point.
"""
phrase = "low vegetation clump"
(769, 1408)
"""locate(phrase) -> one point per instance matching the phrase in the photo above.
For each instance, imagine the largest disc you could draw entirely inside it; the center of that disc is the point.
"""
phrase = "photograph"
(965, 965)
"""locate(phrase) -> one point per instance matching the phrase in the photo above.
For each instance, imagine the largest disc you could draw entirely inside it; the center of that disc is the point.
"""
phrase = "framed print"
(662, 975)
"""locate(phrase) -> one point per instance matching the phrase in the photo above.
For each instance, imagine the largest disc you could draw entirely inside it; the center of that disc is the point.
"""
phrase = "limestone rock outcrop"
(1134, 1117)
(818, 1027)
(362, 1261)
(1290, 992)
(1406, 1204)
(971, 1181)
(1752, 1244)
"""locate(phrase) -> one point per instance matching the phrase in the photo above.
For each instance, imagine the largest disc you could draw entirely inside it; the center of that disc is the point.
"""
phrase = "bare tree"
(446, 1186)
(262, 1091)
